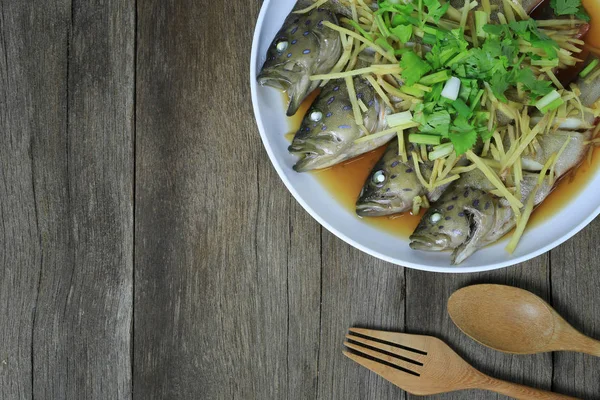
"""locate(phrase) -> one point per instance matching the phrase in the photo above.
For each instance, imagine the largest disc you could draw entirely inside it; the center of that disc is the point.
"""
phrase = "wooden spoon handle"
(587, 345)
(521, 391)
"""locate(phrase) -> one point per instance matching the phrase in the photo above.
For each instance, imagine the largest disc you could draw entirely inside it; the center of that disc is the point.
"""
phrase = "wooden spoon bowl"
(514, 320)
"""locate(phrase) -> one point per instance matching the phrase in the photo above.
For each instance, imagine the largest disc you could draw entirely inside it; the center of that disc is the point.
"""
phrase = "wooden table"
(148, 249)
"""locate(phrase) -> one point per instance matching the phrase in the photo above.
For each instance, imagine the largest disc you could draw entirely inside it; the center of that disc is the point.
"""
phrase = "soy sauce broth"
(593, 8)
(344, 181)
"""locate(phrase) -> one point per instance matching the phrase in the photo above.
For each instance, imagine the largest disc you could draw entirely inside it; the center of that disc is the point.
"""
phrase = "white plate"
(272, 123)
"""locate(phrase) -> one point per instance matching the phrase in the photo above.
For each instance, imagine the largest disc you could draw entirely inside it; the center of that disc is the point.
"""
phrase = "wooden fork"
(425, 365)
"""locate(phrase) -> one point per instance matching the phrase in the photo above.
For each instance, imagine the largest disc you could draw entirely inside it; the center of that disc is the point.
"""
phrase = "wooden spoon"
(514, 320)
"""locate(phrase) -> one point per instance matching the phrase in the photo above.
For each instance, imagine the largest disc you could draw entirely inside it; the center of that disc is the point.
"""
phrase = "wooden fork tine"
(408, 366)
(419, 343)
(389, 348)
(393, 375)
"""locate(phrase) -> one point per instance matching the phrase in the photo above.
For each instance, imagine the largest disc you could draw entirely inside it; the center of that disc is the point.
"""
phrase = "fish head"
(328, 130)
(302, 47)
(449, 223)
(390, 187)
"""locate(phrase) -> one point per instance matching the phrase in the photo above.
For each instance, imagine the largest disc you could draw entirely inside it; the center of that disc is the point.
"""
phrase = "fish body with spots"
(329, 130)
(302, 47)
(468, 217)
(393, 184)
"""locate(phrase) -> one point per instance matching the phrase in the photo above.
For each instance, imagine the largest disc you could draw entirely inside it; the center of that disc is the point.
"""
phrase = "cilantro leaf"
(500, 84)
(582, 15)
(435, 9)
(413, 68)
(403, 32)
(436, 123)
(462, 109)
(565, 7)
(569, 7)
(496, 30)
(537, 88)
(462, 135)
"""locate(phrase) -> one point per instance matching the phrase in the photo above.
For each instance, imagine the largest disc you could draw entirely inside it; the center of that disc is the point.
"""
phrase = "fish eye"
(316, 115)
(435, 217)
(282, 45)
(378, 178)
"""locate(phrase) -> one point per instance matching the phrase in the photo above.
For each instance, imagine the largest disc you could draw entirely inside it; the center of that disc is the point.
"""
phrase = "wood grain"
(575, 283)
(223, 287)
(212, 220)
(23, 112)
(426, 313)
(358, 291)
(67, 187)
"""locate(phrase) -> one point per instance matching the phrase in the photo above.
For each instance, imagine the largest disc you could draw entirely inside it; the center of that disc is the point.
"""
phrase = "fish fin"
(299, 92)
(483, 223)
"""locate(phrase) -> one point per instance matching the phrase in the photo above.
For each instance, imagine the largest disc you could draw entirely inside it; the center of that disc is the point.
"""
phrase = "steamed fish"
(577, 130)
(303, 47)
(552, 143)
(392, 184)
(329, 130)
(468, 217)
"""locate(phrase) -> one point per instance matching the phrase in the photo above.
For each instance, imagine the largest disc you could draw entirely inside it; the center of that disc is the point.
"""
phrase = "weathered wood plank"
(575, 282)
(66, 199)
(225, 302)
(426, 300)
(32, 96)
(358, 291)
(83, 175)
(304, 312)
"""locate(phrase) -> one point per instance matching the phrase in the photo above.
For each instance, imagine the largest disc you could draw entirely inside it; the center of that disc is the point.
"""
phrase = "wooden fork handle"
(521, 391)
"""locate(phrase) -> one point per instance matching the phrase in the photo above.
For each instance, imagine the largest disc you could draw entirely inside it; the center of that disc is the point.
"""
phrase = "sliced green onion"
(590, 67)
(481, 20)
(399, 52)
(553, 106)
(547, 99)
(437, 77)
(381, 42)
(476, 100)
(458, 58)
(413, 91)
(400, 118)
(451, 88)
(419, 138)
(441, 151)
(429, 39)
(446, 55)
(381, 25)
(431, 30)
(361, 30)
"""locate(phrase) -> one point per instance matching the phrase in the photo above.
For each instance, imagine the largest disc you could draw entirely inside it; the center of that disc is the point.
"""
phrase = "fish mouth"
(272, 77)
(308, 161)
(305, 149)
(312, 154)
(374, 208)
(292, 79)
(440, 242)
